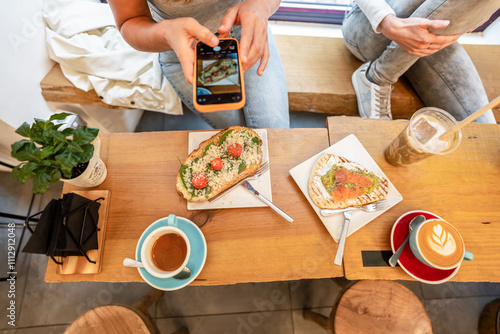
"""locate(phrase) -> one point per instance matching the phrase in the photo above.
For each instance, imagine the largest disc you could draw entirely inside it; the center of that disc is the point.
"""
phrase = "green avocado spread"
(329, 182)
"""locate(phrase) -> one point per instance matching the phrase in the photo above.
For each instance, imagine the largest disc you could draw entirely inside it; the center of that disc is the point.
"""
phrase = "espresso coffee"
(168, 252)
(440, 244)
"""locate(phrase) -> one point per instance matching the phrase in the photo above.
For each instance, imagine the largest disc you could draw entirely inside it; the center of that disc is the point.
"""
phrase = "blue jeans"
(446, 79)
(266, 96)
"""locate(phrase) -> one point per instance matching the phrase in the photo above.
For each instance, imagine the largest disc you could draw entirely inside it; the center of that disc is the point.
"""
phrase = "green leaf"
(46, 152)
(26, 151)
(207, 148)
(24, 130)
(55, 175)
(256, 140)
(224, 136)
(59, 116)
(41, 181)
(208, 191)
(183, 172)
(67, 160)
(73, 146)
(58, 147)
(41, 123)
(242, 166)
(24, 172)
(18, 145)
(85, 135)
(56, 136)
(68, 132)
(37, 133)
(88, 152)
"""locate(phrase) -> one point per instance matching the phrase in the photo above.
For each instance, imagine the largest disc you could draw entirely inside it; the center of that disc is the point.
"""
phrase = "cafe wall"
(23, 63)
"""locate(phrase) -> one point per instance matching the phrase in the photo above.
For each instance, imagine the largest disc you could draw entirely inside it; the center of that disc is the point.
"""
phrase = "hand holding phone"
(218, 80)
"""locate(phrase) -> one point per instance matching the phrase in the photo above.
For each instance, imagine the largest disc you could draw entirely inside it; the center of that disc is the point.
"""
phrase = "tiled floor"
(240, 309)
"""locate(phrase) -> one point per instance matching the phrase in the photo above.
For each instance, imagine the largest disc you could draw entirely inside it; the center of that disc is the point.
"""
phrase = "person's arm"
(133, 20)
(411, 34)
(375, 11)
(252, 16)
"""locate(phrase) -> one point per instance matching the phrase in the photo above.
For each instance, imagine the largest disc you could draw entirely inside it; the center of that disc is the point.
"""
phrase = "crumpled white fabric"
(82, 37)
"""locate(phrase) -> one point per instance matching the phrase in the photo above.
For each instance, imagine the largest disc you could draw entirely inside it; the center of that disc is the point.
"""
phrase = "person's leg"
(449, 80)
(359, 37)
(463, 15)
(172, 70)
(459, 94)
(374, 100)
(267, 96)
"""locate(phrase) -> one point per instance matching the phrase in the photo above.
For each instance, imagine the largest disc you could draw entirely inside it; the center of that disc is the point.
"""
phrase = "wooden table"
(244, 245)
(462, 187)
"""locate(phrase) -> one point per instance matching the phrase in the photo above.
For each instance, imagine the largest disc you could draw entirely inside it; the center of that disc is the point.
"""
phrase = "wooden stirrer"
(470, 118)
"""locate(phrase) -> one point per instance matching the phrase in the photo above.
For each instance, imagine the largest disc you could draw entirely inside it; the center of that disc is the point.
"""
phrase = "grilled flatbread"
(337, 183)
(219, 152)
(217, 71)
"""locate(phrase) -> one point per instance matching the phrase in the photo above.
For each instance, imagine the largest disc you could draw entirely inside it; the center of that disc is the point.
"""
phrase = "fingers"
(195, 29)
(259, 49)
(263, 62)
(187, 63)
(227, 22)
(434, 24)
(441, 41)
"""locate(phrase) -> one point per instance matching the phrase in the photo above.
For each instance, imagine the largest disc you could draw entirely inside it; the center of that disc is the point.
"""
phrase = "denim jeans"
(446, 79)
(266, 96)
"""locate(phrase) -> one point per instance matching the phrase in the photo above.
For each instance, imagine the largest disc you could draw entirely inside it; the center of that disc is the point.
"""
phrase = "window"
(328, 11)
(312, 11)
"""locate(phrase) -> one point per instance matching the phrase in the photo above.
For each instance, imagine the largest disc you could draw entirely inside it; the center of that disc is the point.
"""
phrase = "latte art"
(440, 243)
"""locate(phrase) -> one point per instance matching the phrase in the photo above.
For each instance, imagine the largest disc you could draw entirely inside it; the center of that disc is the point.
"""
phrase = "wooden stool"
(120, 319)
(375, 307)
(489, 321)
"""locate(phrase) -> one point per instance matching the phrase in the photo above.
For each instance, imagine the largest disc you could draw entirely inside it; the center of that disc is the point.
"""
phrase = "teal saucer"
(196, 259)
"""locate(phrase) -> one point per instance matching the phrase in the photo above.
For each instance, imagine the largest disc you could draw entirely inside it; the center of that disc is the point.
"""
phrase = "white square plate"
(238, 197)
(349, 148)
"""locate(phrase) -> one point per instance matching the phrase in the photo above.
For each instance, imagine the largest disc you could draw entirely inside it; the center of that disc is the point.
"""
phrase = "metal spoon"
(394, 258)
(184, 274)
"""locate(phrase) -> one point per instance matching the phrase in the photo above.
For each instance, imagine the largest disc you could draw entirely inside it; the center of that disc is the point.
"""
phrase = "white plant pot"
(94, 174)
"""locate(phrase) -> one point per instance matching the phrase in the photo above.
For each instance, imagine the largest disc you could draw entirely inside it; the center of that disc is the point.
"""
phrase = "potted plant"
(50, 155)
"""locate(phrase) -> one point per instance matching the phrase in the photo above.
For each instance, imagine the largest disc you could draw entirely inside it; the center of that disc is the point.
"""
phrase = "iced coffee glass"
(420, 139)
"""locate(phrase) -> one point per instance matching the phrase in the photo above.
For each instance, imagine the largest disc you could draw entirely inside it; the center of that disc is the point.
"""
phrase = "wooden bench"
(318, 73)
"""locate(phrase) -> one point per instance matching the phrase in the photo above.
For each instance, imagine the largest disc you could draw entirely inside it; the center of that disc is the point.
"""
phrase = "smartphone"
(218, 80)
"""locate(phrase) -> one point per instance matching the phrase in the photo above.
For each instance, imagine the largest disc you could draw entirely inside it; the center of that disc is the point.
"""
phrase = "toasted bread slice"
(213, 72)
(363, 194)
(233, 168)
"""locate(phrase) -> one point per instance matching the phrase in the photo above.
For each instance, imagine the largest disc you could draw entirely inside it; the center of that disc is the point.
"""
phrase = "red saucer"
(408, 261)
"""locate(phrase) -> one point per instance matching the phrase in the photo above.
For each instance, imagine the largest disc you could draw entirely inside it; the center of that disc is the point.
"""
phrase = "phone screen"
(218, 73)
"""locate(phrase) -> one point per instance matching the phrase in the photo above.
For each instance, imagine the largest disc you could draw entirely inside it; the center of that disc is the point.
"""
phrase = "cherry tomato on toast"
(217, 164)
(235, 150)
(199, 181)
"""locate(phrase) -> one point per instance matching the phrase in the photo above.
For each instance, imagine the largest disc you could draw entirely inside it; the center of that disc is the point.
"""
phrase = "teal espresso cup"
(438, 244)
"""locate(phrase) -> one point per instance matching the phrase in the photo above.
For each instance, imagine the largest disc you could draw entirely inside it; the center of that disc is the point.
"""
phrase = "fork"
(264, 167)
(371, 207)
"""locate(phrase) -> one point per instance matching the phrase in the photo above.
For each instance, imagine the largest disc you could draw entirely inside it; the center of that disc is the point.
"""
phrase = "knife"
(343, 236)
(251, 189)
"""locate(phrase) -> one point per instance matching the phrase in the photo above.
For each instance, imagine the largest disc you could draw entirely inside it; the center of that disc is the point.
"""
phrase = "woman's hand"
(412, 34)
(252, 16)
(181, 35)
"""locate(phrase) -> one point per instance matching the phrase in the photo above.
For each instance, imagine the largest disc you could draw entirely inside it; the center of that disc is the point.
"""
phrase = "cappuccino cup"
(438, 244)
(165, 251)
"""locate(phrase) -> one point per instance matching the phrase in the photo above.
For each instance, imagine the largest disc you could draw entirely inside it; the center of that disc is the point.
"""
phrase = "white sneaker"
(374, 101)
